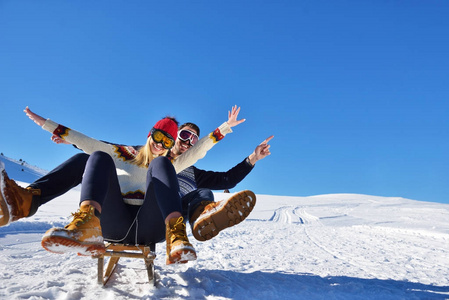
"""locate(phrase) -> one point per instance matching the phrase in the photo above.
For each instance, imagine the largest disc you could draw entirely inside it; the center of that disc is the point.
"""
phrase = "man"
(206, 217)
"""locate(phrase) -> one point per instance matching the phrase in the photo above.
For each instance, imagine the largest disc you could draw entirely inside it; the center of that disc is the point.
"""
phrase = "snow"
(342, 246)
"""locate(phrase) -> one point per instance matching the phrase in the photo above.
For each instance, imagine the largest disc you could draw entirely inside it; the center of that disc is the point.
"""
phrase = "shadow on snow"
(202, 284)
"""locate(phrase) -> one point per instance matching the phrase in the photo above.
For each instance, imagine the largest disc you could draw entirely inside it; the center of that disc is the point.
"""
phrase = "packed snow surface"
(341, 246)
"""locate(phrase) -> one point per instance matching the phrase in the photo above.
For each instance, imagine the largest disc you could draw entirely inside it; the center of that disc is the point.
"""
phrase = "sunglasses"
(187, 135)
(159, 136)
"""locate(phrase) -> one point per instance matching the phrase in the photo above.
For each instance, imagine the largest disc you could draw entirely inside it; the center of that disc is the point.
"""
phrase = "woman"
(128, 194)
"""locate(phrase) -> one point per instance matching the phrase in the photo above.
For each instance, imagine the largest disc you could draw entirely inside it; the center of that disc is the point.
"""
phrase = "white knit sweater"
(132, 178)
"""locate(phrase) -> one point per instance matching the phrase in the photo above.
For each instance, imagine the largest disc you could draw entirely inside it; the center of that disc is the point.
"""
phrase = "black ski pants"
(60, 180)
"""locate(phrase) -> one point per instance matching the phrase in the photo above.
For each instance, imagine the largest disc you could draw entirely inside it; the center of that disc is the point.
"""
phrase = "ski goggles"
(161, 137)
(187, 135)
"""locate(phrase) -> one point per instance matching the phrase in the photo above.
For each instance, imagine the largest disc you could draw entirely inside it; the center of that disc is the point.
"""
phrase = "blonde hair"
(145, 156)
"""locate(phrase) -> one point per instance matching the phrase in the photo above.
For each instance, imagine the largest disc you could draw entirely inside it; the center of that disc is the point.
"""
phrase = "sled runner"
(115, 251)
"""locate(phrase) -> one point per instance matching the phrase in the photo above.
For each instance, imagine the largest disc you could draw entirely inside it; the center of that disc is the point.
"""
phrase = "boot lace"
(178, 230)
(80, 218)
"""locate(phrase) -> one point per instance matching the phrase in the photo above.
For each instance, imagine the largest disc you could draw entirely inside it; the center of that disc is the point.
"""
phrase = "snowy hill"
(21, 170)
(343, 246)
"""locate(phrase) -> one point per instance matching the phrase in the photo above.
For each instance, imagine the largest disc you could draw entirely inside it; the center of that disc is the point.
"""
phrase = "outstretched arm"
(229, 179)
(261, 151)
(41, 121)
(200, 149)
(65, 135)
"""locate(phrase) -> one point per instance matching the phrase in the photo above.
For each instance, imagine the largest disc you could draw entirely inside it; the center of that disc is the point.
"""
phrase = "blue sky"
(355, 92)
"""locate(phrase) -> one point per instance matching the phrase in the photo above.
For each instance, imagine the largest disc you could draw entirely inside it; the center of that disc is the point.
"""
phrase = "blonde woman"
(129, 194)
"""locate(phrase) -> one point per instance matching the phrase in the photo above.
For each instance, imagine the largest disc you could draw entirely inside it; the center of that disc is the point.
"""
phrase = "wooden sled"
(115, 251)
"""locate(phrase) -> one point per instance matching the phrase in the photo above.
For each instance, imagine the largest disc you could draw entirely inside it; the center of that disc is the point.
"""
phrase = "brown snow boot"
(179, 249)
(212, 217)
(15, 201)
(83, 235)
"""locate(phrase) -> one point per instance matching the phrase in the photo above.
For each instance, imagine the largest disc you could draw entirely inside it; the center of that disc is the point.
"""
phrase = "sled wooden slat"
(116, 251)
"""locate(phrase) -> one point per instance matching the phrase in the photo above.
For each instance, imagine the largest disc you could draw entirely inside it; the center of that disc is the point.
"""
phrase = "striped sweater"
(132, 178)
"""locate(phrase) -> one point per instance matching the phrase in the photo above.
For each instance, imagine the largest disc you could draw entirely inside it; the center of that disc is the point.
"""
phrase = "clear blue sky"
(355, 92)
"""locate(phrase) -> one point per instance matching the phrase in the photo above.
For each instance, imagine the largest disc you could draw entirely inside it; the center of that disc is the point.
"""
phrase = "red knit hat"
(168, 126)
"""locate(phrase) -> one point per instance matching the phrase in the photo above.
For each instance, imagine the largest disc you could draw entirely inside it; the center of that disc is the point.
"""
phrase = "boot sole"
(4, 207)
(60, 245)
(181, 256)
(231, 212)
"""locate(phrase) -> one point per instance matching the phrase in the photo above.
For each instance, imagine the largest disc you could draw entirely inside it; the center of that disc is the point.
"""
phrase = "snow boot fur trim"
(15, 201)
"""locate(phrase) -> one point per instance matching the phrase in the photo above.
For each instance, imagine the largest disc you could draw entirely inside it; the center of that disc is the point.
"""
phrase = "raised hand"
(261, 151)
(232, 117)
(40, 121)
(36, 118)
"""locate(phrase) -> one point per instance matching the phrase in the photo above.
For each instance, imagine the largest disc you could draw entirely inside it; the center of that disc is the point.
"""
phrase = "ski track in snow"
(293, 215)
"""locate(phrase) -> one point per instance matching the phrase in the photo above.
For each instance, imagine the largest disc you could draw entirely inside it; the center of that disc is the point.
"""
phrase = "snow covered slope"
(343, 246)
(21, 170)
